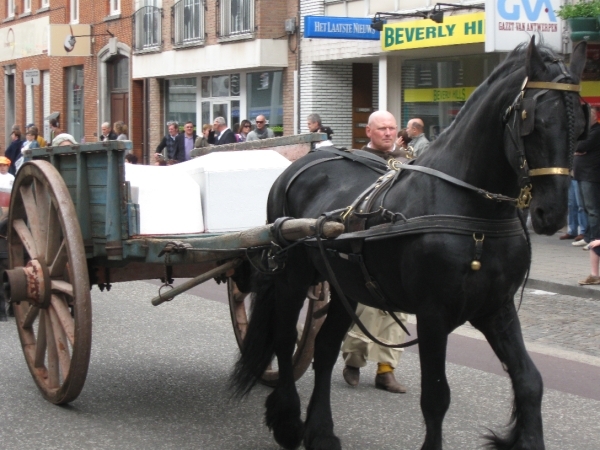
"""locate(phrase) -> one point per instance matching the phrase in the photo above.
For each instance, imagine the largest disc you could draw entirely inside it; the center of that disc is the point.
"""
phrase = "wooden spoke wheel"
(308, 326)
(49, 279)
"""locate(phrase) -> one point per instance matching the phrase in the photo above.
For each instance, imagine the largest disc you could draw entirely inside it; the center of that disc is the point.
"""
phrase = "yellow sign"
(463, 29)
(438, 95)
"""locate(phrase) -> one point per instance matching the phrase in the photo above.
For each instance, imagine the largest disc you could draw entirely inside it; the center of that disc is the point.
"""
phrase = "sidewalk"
(557, 266)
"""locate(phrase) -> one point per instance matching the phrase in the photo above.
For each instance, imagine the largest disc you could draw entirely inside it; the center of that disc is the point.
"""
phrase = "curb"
(564, 289)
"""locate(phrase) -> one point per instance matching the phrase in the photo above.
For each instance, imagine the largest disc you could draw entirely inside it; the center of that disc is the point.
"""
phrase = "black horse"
(517, 131)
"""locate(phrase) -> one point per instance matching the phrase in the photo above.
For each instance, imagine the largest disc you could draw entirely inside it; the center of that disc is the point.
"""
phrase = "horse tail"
(258, 348)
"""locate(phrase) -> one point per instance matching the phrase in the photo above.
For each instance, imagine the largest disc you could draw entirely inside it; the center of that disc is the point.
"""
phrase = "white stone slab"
(169, 200)
(235, 186)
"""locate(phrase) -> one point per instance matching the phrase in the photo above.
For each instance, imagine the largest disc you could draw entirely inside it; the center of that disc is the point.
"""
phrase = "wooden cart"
(72, 225)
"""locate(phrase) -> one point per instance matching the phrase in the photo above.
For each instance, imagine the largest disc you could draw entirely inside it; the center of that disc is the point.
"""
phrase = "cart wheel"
(308, 326)
(54, 316)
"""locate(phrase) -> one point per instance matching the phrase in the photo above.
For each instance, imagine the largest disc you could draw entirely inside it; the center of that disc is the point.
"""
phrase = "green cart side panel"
(95, 177)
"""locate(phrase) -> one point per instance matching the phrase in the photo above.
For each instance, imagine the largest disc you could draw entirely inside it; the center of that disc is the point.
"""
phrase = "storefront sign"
(460, 94)
(462, 29)
(512, 22)
(339, 28)
(70, 40)
(20, 40)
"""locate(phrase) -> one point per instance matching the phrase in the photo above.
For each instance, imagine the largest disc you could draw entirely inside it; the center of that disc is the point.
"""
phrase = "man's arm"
(162, 145)
(252, 136)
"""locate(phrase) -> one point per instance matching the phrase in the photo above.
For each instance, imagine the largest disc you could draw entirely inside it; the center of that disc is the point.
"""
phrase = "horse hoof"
(289, 435)
(324, 443)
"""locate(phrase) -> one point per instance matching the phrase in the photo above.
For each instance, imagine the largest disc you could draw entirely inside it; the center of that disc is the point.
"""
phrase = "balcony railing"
(147, 23)
(237, 18)
(188, 22)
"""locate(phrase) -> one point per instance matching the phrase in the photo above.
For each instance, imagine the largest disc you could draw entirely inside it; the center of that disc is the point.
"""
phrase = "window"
(237, 17)
(75, 109)
(74, 11)
(148, 27)
(45, 3)
(264, 91)
(10, 8)
(221, 97)
(181, 100)
(188, 22)
(27, 6)
(115, 7)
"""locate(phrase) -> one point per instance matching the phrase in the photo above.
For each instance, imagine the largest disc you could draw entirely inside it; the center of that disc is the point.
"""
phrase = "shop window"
(265, 96)
(181, 100)
(221, 97)
(237, 17)
(188, 22)
(436, 90)
(147, 24)
(75, 109)
(114, 7)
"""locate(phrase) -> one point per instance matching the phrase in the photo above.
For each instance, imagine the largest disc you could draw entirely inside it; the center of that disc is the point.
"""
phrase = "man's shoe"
(591, 279)
(566, 236)
(387, 382)
(579, 237)
(586, 247)
(579, 243)
(351, 375)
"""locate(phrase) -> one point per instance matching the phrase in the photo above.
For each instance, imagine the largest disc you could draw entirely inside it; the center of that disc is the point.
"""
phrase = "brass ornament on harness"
(476, 264)
(524, 198)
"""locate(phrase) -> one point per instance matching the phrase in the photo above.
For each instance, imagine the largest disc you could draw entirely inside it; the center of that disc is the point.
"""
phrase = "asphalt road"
(157, 380)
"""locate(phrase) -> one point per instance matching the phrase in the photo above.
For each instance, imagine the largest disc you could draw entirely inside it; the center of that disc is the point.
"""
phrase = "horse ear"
(535, 64)
(578, 59)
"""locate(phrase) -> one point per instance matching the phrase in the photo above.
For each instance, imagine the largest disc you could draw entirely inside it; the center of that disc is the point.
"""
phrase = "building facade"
(420, 64)
(69, 60)
(197, 60)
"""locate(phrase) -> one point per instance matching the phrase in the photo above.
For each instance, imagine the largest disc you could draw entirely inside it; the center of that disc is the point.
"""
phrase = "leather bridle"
(519, 119)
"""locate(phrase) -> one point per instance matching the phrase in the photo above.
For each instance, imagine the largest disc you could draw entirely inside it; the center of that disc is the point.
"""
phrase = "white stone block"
(235, 186)
(169, 200)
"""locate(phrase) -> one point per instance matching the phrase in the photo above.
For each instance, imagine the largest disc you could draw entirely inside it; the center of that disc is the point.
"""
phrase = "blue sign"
(339, 28)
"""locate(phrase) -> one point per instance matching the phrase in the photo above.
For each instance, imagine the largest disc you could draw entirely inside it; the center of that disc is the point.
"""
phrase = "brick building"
(81, 91)
(197, 60)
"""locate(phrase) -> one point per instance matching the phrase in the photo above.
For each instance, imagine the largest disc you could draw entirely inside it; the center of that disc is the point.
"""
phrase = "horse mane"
(513, 62)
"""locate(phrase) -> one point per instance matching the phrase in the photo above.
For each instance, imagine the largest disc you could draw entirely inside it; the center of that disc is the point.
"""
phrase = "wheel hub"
(30, 283)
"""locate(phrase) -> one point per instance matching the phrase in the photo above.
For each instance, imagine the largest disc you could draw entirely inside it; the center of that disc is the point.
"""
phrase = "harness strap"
(458, 182)
(333, 280)
(365, 158)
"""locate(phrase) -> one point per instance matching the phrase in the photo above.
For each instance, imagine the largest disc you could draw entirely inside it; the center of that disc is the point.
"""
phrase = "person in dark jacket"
(167, 148)
(107, 133)
(13, 151)
(223, 134)
(586, 170)
(185, 142)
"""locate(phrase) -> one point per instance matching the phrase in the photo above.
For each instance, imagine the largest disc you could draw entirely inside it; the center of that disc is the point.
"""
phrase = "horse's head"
(543, 125)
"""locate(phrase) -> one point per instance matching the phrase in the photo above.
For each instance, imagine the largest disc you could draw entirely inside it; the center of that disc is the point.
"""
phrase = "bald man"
(415, 130)
(357, 348)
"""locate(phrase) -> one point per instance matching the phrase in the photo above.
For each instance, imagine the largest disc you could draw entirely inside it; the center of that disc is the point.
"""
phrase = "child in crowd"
(594, 277)
(6, 179)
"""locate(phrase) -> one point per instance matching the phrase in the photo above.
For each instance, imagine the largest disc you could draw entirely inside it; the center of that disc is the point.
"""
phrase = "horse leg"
(319, 422)
(435, 392)
(503, 331)
(283, 404)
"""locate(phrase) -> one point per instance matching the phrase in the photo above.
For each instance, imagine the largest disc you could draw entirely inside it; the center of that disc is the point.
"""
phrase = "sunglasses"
(247, 126)
(260, 121)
